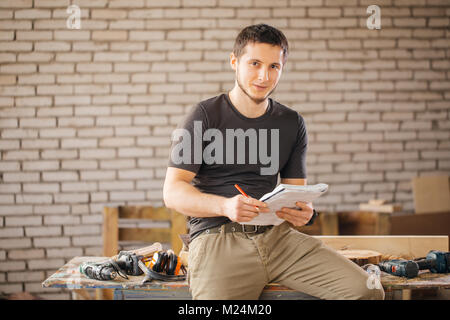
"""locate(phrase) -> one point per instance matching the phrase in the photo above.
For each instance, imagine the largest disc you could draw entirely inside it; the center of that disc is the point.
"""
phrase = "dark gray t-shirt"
(223, 148)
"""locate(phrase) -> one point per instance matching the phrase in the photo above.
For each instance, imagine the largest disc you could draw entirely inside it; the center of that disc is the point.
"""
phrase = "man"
(228, 260)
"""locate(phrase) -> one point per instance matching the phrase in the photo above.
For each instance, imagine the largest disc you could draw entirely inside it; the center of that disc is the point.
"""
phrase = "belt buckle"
(253, 231)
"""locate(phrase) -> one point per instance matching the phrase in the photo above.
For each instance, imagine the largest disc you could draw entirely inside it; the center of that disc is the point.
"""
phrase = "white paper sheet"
(286, 195)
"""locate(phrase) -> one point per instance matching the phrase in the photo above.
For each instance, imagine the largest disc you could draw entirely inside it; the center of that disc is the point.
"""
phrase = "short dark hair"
(261, 33)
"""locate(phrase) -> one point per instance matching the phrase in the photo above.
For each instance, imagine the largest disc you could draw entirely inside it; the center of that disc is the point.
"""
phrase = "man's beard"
(256, 100)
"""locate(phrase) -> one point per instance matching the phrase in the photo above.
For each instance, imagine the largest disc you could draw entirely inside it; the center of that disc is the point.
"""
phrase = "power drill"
(126, 264)
(436, 261)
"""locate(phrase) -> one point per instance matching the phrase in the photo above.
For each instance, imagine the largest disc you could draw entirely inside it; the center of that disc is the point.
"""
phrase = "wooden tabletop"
(69, 276)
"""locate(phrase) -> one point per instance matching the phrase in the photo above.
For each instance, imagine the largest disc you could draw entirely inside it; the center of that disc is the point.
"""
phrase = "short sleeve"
(295, 168)
(187, 145)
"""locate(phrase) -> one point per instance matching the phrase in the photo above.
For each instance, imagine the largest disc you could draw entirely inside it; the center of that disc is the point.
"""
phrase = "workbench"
(69, 277)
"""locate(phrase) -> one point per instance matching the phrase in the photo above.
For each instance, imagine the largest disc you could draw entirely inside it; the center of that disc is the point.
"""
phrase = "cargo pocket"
(196, 255)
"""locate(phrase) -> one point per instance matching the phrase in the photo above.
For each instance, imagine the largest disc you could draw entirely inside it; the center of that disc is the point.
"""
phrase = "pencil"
(244, 194)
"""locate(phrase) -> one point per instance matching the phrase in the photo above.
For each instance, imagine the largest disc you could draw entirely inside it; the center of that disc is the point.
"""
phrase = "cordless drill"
(436, 261)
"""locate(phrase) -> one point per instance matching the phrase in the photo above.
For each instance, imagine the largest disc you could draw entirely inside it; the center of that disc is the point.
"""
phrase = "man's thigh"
(304, 263)
(225, 266)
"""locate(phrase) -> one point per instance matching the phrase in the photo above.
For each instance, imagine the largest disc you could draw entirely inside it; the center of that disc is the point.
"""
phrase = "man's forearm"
(186, 199)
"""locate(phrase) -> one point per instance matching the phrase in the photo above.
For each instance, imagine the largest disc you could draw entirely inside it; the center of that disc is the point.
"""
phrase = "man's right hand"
(242, 209)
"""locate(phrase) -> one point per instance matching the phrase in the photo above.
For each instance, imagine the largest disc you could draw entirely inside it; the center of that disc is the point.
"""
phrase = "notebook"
(286, 195)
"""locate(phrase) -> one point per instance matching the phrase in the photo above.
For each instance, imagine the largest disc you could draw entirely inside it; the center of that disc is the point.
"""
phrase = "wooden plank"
(382, 223)
(425, 280)
(82, 293)
(431, 193)
(329, 223)
(362, 257)
(145, 235)
(356, 222)
(271, 292)
(110, 231)
(408, 247)
(110, 244)
(144, 212)
(418, 224)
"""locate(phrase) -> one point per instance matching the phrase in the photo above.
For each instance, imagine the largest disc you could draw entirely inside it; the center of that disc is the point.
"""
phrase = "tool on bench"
(435, 261)
(126, 264)
(163, 266)
(160, 265)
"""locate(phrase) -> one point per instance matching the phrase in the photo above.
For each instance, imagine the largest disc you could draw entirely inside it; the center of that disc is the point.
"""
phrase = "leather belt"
(236, 227)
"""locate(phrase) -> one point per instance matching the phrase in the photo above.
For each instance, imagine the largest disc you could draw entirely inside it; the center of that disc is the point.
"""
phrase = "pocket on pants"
(196, 253)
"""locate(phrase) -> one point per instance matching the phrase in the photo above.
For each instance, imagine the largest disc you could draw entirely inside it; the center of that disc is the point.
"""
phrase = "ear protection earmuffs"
(159, 261)
(167, 262)
(164, 262)
(173, 264)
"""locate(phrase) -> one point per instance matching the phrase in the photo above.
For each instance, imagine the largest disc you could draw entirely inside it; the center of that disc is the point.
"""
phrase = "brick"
(17, 91)
(78, 164)
(12, 266)
(20, 177)
(32, 101)
(11, 232)
(129, 88)
(109, 13)
(366, 136)
(59, 176)
(26, 276)
(34, 198)
(7, 57)
(5, 145)
(18, 68)
(41, 187)
(94, 67)
(109, 35)
(97, 89)
(36, 79)
(43, 264)
(409, 22)
(10, 46)
(81, 230)
(127, 196)
(64, 252)
(136, 152)
(217, 13)
(119, 185)
(324, 12)
(15, 25)
(97, 175)
(17, 4)
(38, 123)
(78, 143)
(35, 57)
(101, 132)
(126, 4)
(97, 153)
(52, 46)
(32, 14)
(15, 243)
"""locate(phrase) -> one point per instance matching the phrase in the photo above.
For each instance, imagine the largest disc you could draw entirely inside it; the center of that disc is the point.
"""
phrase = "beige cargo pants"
(237, 266)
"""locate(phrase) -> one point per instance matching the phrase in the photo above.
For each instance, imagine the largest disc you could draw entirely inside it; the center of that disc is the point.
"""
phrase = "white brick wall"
(86, 115)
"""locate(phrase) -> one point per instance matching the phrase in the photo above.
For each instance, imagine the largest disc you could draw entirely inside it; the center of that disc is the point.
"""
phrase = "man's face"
(258, 70)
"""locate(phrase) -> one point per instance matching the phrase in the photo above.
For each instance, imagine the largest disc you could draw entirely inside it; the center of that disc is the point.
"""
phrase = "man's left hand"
(298, 216)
